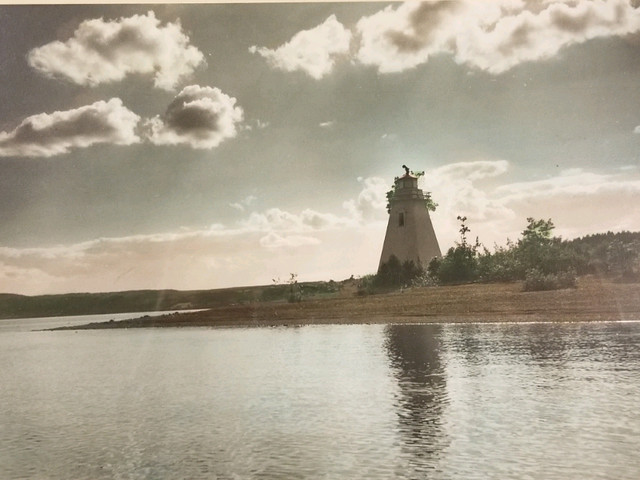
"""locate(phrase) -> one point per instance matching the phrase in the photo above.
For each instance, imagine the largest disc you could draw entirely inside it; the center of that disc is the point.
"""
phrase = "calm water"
(532, 401)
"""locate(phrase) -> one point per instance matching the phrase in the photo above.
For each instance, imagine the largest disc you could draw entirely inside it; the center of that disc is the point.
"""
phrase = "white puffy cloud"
(284, 229)
(456, 190)
(637, 129)
(311, 51)
(473, 170)
(306, 221)
(48, 134)
(579, 202)
(574, 182)
(370, 205)
(106, 51)
(243, 204)
(201, 117)
(454, 187)
(493, 36)
(261, 246)
(275, 240)
(260, 124)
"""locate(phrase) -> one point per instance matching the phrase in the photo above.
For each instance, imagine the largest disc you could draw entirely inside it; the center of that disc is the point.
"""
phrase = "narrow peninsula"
(594, 299)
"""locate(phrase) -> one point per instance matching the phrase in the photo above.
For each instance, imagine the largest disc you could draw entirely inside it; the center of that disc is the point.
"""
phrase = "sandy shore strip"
(595, 299)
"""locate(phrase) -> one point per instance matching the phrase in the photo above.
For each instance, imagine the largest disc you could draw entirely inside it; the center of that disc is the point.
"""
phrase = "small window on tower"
(401, 219)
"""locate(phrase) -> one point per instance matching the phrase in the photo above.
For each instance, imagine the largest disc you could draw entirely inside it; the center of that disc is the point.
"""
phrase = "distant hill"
(604, 252)
(22, 306)
(602, 240)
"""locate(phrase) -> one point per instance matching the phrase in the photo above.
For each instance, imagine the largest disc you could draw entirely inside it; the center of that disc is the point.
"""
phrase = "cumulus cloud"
(48, 134)
(311, 51)
(637, 129)
(106, 51)
(262, 246)
(492, 36)
(371, 202)
(457, 189)
(473, 170)
(306, 221)
(578, 201)
(275, 240)
(201, 117)
(284, 229)
(243, 204)
(573, 182)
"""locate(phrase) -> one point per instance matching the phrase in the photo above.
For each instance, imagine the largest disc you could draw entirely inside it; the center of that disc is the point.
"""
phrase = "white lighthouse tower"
(410, 235)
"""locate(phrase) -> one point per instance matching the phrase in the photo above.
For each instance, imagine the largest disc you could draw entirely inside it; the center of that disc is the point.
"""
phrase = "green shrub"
(424, 280)
(502, 265)
(459, 265)
(393, 274)
(366, 285)
(536, 280)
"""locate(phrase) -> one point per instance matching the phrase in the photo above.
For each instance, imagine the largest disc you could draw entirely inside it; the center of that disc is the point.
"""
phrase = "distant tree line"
(538, 259)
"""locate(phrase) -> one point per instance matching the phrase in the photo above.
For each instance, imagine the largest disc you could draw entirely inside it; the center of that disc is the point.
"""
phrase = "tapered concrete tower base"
(410, 234)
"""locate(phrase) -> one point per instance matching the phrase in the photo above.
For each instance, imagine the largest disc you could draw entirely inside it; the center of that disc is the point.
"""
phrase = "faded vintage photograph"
(320, 240)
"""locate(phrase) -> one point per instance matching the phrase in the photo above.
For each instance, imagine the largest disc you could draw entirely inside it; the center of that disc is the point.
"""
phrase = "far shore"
(594, 299)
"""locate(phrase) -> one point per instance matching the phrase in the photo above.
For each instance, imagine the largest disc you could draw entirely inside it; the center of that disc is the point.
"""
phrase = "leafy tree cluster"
(538, 258)
(614, 254)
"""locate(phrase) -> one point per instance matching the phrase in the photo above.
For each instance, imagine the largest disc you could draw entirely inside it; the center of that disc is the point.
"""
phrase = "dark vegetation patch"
(538, 259)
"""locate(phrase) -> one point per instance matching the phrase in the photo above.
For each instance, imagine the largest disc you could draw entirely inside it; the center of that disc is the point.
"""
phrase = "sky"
(216, 145)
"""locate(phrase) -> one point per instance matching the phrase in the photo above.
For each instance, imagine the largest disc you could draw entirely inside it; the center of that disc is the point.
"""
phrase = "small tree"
(460, 264)
(537, 232)
(538, 249)
(295, 290)
(500, 266)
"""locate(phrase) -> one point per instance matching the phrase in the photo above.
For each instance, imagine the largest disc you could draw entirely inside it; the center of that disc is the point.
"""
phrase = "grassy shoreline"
(595, 299)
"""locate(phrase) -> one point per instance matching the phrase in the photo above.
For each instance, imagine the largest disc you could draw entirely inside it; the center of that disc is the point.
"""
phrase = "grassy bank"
(595, 299)
(23, 306)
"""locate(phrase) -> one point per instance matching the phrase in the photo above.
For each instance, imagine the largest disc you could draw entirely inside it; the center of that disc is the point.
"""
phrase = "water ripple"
(442, 402)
